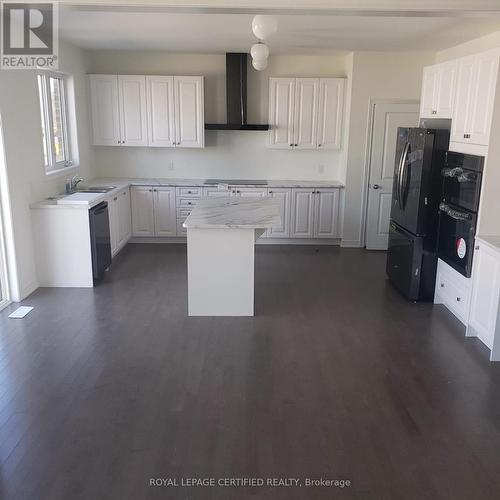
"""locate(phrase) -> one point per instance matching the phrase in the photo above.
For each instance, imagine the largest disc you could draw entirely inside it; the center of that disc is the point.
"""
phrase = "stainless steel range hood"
(236, 96)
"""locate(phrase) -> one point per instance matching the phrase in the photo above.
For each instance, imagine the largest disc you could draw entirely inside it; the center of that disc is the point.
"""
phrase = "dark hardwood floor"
(336, 377)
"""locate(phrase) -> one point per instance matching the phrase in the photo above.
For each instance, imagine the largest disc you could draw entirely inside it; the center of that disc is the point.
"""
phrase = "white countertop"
(234, 213)
(122, 183)
(492, 241)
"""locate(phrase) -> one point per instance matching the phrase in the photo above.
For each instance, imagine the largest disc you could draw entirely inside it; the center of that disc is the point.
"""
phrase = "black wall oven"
(462, 176)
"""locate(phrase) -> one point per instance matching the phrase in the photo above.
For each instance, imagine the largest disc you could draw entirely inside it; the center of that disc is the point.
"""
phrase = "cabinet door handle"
(295, 145)
(319, 145)
(476, 247)
(442, 285)
(458, 299)
(270, 192)
(291, 145)
(434, 112)
(115, 198)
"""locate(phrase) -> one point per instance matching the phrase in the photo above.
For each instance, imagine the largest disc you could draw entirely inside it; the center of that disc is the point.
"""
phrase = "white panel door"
(430, 80)
(461, 109)
(105, 113)
(482, 98)
(283, 196)
(114, 224)
(143, 223)
(331, 110)
(124, 217)
(445, 90)
(281, 112)
(305, 123)
(485, 293)
(387, 117)
(326, 213)
(161, 115)
(189, 112)
(164, 209)
(133, 116)
(302, 213)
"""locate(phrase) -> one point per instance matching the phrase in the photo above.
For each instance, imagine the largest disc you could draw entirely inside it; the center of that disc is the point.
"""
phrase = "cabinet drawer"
(188, 192)
(453, 291)
(182, 213)
(186, 202)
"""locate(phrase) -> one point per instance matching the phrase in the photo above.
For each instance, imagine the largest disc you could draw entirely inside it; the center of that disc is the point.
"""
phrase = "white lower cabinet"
(453, 290)
(326, 207)
(153, 211)
(302, 218)
(164, 211)
(120, 223)
(314, 213)
(143, 219)
(483, 317)
(283, 196)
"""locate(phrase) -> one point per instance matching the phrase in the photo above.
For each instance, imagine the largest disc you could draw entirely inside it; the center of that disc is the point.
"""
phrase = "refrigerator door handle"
(402, 163)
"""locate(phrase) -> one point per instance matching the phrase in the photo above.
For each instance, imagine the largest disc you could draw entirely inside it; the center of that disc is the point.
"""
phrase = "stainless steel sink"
(237, 182)
(96, 189)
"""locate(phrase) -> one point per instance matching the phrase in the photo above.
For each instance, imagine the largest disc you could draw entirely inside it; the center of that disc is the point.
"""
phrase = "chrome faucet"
(72, 183)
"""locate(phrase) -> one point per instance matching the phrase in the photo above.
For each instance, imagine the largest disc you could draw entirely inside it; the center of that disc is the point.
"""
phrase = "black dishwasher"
(100, 240)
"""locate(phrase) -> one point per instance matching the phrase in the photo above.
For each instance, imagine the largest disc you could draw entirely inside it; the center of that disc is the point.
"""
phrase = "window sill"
(60, 172)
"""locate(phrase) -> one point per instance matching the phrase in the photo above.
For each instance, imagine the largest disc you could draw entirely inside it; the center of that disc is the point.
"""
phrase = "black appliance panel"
(457, 229)
(100, 240)
(404, 258)
(414, 192)
(462, 176)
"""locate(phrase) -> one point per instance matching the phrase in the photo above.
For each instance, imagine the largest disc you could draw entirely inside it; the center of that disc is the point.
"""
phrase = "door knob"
(376, 186)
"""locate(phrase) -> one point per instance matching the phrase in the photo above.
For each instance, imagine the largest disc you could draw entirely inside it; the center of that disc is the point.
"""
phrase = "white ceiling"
(213, 32)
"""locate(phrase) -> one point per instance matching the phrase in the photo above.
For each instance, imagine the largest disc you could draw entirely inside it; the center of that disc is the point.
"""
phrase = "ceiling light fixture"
(263, 27)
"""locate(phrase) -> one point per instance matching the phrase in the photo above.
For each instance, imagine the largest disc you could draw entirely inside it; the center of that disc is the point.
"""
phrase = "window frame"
(49, 157)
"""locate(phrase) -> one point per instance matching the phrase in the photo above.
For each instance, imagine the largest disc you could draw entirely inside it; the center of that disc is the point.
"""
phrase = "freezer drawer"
(410, 268)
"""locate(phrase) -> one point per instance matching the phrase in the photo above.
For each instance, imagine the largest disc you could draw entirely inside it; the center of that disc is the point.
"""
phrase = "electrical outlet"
(171, 165)
(321, 169)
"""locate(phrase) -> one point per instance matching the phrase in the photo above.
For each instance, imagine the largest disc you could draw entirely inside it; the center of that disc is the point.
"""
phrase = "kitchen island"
(221, 235)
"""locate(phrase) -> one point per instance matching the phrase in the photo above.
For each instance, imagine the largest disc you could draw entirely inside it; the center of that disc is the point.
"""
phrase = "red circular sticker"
(461, 248)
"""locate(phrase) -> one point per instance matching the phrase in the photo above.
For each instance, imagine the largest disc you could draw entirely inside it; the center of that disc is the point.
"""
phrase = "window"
(55, 133)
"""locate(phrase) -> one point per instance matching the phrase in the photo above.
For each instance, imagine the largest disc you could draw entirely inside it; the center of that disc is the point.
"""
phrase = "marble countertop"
(492, 241)
(234, 213)
(122, 183)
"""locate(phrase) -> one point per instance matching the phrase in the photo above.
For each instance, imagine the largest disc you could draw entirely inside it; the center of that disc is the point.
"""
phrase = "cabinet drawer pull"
(115, 198)
(434, 112)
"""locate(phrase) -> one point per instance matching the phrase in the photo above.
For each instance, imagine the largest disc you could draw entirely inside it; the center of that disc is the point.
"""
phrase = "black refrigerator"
(412, 250)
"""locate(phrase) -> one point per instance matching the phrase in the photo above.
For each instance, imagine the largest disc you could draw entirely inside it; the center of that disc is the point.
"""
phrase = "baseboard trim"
(26, 291)
(260, 241)
(350, 244)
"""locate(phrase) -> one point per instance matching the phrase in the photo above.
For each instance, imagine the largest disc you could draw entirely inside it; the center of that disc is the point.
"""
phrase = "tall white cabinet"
(306, 113)
(138, 110)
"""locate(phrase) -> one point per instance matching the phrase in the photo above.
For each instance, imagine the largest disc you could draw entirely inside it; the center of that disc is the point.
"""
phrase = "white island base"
(221, 236)
(221, 271)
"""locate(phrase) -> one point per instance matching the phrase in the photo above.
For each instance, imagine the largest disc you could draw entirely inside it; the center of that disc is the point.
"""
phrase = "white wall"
(487, 42)
(232, 154)
(375, 75)
(27, 181)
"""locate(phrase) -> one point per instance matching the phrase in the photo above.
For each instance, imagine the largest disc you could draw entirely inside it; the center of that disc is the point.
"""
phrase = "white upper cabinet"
(331, 111)
(438, 90)
(306, 113)
(132, 105)
(483, 97)
(326, 208)
(189, 113)
(281, 112)
(137, 110)
(161, 115)
(105, 114)
(474, 100)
